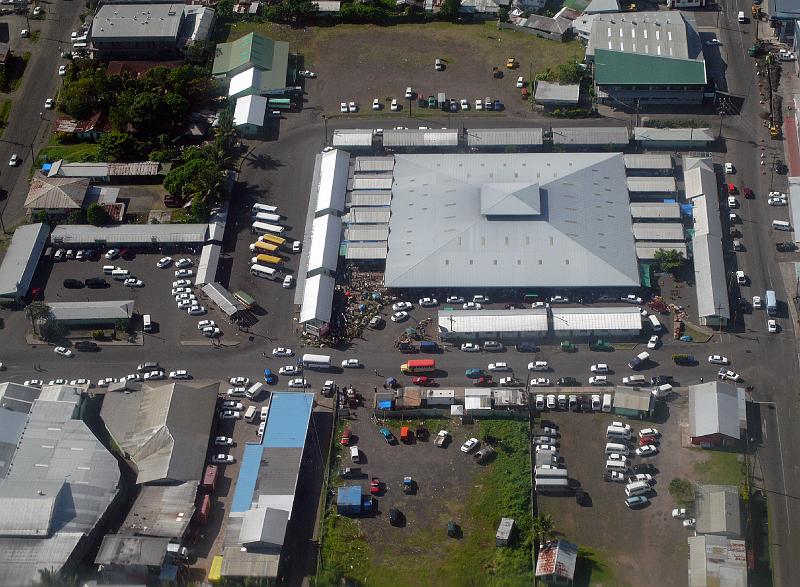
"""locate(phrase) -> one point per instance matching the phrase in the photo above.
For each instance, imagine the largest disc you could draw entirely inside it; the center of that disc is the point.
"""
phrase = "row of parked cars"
(639, 485)
(148, 371)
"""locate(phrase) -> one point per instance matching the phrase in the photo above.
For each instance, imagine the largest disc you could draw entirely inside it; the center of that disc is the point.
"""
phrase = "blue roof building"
(348, 500)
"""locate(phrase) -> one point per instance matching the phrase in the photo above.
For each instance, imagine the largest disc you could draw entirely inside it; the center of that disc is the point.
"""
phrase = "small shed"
(348, 500)
(633, 402)
(504, 532)
(555, 95)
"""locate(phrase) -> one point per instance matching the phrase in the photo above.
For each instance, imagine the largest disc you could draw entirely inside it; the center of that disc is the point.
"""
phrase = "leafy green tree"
(449, 9)
(543, 527)
(96, 215)
(570, 73)
(52, 330)
(147, 112)
(682, 491)
(178, 178)
(118, 146)
(76, 217)
(41, 216)
(670, 260)
(37, 311)
(77, 99)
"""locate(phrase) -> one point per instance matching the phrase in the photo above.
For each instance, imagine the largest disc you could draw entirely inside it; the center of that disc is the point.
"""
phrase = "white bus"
(267, 217)
(654, 323)
(261, 271)
(316, 361)
(264, 227)
(264, 208)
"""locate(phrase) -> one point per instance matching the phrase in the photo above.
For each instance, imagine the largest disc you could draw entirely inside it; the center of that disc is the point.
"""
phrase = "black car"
(73, 283)
(86, 345)
(567, 382)
(395, 517)
(786, 247)
(96, 282)
(526, 347)
(582, 498)
(661, 380)
(645, 468)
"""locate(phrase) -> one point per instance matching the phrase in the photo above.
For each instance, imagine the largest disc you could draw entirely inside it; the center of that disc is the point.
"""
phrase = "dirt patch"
(360, 63)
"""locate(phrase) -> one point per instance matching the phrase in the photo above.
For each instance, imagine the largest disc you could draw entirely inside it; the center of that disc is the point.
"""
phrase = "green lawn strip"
(77, 152)
(720, 468)
(592, 569)
(5, 111)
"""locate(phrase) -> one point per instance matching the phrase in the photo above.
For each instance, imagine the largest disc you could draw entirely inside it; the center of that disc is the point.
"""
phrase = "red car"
(345, 441)
(645, 440)
(748, 193)
(484, 381)
(731, 189)
(422, 380)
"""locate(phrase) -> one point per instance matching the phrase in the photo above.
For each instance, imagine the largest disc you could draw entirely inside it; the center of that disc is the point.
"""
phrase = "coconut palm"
(37, 311)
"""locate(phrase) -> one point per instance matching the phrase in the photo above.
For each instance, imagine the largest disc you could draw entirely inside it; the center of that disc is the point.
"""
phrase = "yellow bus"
(268, 259)
(262, 246)
(271, 238)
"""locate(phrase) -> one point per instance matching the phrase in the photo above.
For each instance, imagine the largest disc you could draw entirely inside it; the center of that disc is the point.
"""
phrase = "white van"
(781, 225)
(120, 274)
(634, 380)
(254, 390)
(616, 448)
(606, 402)
(637, 488)
(264, 412)
(107, 269)
(148, 323)
(617, 432)
(250, 414)
(740, 17)
(354, 454)
(654, 323)
(662, 390)
(621, 466)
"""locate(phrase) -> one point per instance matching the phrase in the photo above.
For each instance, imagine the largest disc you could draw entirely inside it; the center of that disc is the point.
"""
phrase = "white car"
(480, 298)
(713, 42)
(718, 360)
(342, 106)
(538, 366)
(535, 305)
(49, 103)
(649, 432)
(282, 352)
(539, 402)
(287, 282)
(472, 306)
(211, 332)
(653, 342)
(599, 368)
(596, 403)
(757, 302)
(454, 300)
(239, 381)
(164, 262)
(498, 367)
(689, 523)
(616, 476)
(133, 282)
(620, 424)
(196, 310)
(646, 477)
(184, 273)
(679, 513)
(729, 168)
(508, 382)
(14, 160)
(352, 107)
(559, 300)
(186, 304)
(399, 316)
(232, 405)
(63, 351)
(409, 93)
(62, 70)
(540, 382)
(478, 104)
(397, 306)
(185, 295)
(296, 246)
(543, 447)
(289, 370)
(772, 326)
(154, 376)
(179, 374)
(376, 105)
(464, 104)
(632, 299)
(205, 324)
(81, 382)
(394, 106)
(598, 380)
(112, 254)
(551, 402)
(222, 459)
(33, 383)
(223, 441)
(351, 364)
(741, 278)
(183, 263)
(229, 415)
(57, 382)
(647, 450)
(37, 11)
(298, 383)
(520, 82)
(236, 391)
(471, 347)
(777, 201)
(469, 445)
(732, 203)
(181, 283)
(428, 302)
(617, 457)
(728, 374)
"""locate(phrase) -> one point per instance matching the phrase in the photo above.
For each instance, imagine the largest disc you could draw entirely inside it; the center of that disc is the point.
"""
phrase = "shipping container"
(210, 478)
(263, 247)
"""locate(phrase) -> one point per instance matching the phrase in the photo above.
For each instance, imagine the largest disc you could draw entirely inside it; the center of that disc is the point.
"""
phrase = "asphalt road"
(29, 123)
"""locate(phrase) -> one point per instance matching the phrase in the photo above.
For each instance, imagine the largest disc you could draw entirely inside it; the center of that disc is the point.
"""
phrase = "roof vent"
(40, 492)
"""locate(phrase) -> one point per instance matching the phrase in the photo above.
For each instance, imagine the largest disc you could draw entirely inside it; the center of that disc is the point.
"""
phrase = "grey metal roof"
(264, 526)
(591, 135)
(121, 22)
(705, 215)
(361, 232)
(664, 34)
(500, 137)
(162, 510)
(656, 210)
(132, 234)
(376, 198)
(439, 237)
(711, 278)
(21, 259)
(633, 398)
(460, 321)
(366, 251)
(237, 562)
(613, 318)
(317, 299)
(95, 310)
(413, 137)
(119, 549)
(699, 177)
(671, 135)
(658, 231)
(222, 298)
(716, 407)
(323, 251)
(373, 164)
(367, 215)
(655, 161)
(651, 185)
(646, 250)
(163, 428)
(370, 182)
(715, 561)
(330, 181)
(28, 512)
(600, 6)
(353, 137)
(550, 93)
(207, 266)
(717, 510)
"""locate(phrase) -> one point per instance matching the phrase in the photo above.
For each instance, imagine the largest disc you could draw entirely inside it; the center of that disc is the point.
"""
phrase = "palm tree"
(544, 527)
(37, 311)
(225, 132)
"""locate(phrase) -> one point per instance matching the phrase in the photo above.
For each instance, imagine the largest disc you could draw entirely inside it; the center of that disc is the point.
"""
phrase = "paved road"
(29, 123)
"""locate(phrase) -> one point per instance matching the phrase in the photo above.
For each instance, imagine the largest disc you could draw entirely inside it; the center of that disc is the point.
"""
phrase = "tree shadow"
(587, 565)
(262, 161)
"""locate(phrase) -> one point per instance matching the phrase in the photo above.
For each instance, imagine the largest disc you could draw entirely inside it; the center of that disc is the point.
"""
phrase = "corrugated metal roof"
(656, 210)
(326, 235)
(657, 161)
(711, 278)
(671, 135)
(550, 93)
(56, 193)
(317, 299)
(250, 110)
(591, 135)
(223, 299)
(646, 250)
(125, 550)
(646, 33)
(467, 321)
(383, 198)
(440, 238)
(378, 182)
(129, 234)
(637, 399)
(705, 214)
(330, 180)
(162, 510)
(353, 137)
(716, 561)
(367, 215)
(714, 408)
(699, 177)
(366, 251)
(413, 137)
(95, 310)
(651, 184)
(498, 137)
(363, 164)
(22, 258)
(658, 231)
(121, 23)
(616, 318)
(615, 68)
(366, 233)
(249, 79)
(717, 510)
(207, 266)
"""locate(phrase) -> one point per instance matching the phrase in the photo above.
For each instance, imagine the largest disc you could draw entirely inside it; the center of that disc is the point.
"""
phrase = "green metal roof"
(253, 50)
(618, 68)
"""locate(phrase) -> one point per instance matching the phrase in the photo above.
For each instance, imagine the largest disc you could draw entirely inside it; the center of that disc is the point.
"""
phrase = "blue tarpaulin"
(385, 405)
(348, 499)
(686, 209)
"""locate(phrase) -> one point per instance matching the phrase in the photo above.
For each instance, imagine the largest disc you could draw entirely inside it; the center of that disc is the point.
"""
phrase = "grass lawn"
(5, 111)
(17, 70)
(421, 557)
(591, 569)
(720, 468)
(76, 152)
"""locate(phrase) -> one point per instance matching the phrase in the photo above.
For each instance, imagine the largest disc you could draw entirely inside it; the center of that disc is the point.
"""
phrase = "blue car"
(387, 435)
(473, 373)
(269, 376)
